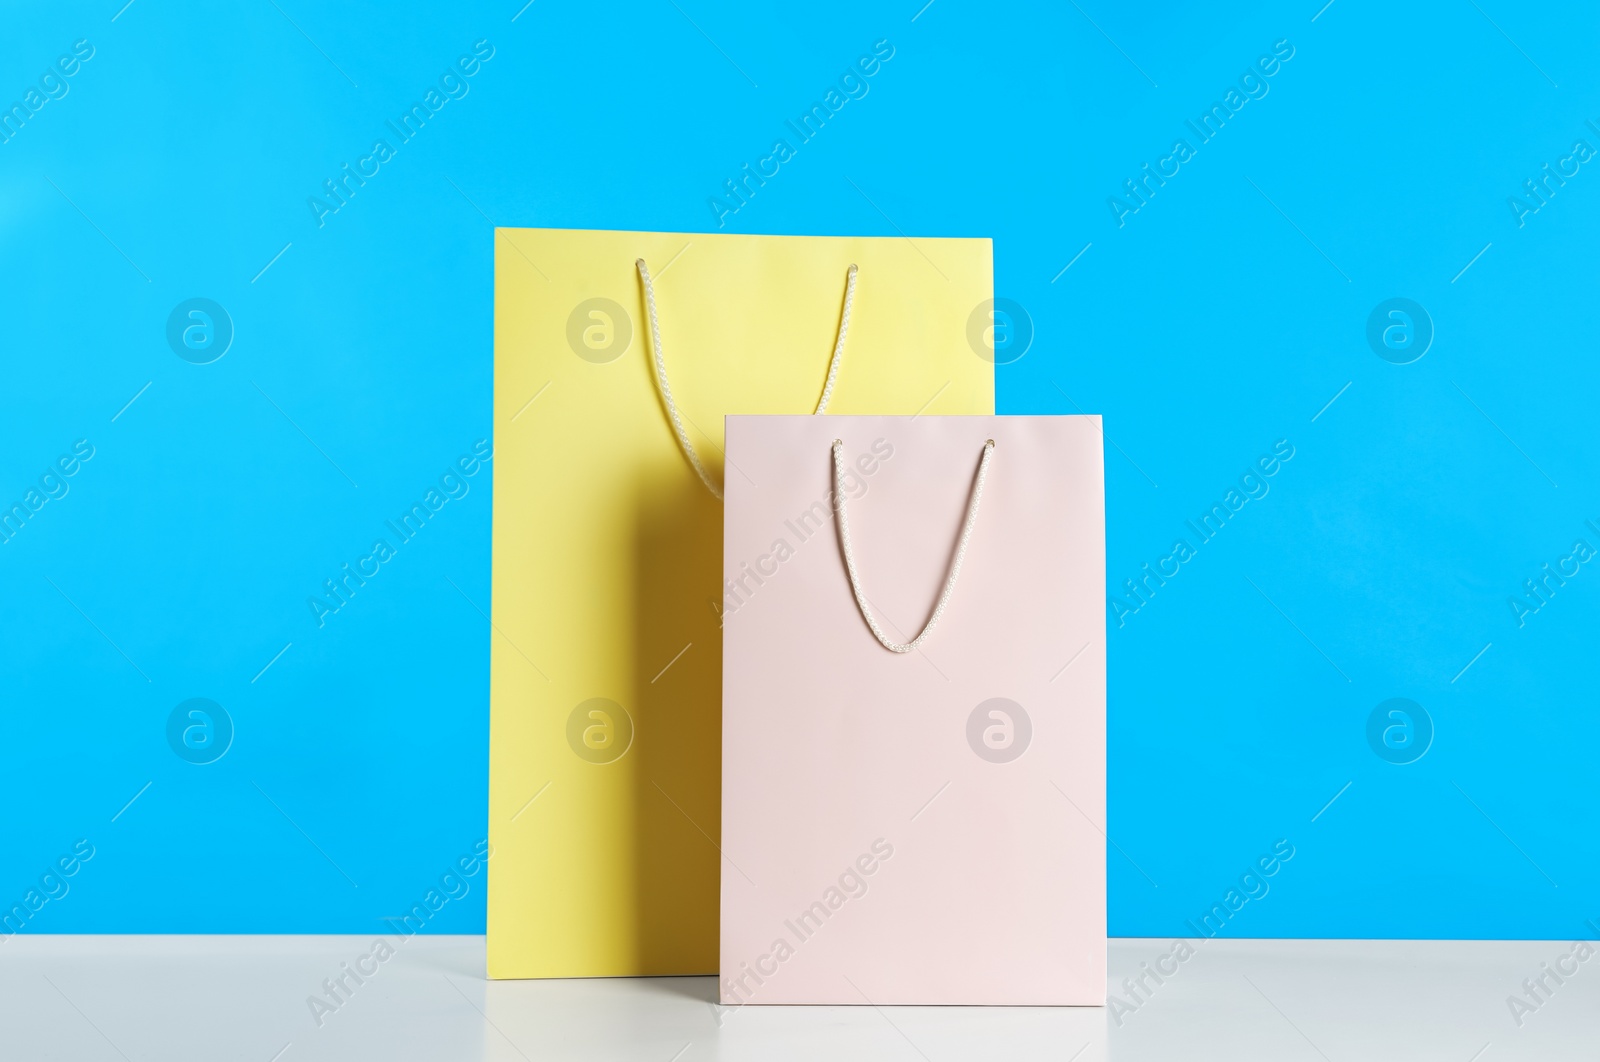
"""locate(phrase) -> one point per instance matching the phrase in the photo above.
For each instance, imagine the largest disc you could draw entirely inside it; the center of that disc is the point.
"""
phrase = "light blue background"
(1205, 329)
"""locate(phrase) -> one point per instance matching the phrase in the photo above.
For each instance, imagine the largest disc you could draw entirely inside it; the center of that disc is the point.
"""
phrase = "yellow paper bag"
(605, 715)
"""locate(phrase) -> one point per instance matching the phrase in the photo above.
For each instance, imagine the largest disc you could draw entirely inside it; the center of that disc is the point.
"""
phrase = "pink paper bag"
(922, 827)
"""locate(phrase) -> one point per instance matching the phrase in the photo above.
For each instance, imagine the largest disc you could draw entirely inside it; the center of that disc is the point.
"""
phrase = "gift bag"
(913, 771)
(605, 687)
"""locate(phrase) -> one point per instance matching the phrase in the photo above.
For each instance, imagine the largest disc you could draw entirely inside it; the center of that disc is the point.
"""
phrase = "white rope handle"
(955, 566)
(666, 389)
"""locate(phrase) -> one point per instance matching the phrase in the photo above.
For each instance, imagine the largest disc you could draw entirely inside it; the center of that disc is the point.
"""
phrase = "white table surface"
(175, 998)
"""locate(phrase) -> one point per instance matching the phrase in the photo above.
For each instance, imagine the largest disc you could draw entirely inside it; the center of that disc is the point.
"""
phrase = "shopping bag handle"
(666, 390)
(955, 566)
